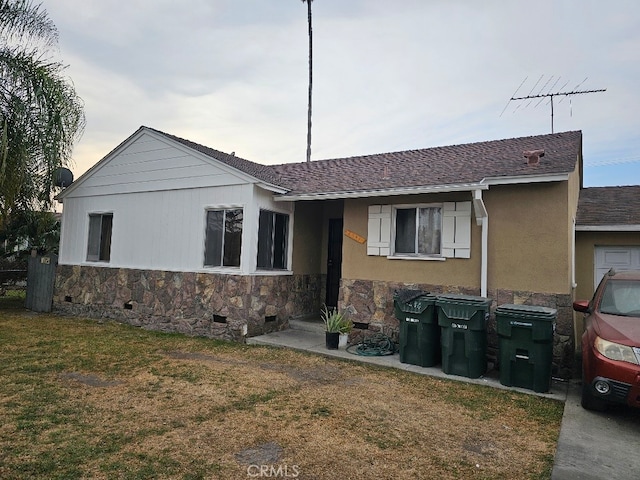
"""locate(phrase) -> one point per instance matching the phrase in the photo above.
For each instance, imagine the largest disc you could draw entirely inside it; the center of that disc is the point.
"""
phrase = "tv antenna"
(545, 91)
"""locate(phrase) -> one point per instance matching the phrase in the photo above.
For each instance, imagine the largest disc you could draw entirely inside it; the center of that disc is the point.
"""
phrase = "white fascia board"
(607, 228)
(272, 188)
(556, 177)
(466, 187)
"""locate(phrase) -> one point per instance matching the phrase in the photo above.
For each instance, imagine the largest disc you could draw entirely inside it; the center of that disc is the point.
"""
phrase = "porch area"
(307, 334)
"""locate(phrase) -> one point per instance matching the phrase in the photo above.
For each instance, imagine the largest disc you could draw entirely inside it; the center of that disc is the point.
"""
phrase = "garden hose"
(377, 345)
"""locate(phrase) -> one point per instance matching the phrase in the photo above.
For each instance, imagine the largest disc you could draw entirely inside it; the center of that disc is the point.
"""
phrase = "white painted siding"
(158, 192)
(153, 163)
(152, 230)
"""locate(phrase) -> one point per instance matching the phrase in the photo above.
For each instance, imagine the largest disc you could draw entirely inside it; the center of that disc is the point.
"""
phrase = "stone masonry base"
(370, 304)
(228, 307)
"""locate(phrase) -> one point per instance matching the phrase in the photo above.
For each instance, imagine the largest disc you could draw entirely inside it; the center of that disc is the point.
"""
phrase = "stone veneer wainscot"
(203, 304)
(371, 302)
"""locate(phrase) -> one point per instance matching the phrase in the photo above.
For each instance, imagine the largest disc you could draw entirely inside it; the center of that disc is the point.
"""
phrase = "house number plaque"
(354, 236)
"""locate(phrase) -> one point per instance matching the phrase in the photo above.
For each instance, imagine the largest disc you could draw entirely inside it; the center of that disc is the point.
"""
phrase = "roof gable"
(151, 160)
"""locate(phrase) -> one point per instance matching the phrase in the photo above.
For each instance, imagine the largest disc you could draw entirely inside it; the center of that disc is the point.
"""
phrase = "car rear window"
(621, 297)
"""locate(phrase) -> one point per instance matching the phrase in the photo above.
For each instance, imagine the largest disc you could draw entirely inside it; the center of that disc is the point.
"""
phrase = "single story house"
(607, 236)
(171, 235)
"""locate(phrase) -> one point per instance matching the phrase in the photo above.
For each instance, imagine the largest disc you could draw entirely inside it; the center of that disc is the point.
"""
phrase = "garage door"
(620, 258)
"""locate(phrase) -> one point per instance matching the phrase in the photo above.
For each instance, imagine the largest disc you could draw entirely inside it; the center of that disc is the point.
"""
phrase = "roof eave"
(607, 228)
(272, 188)
(512, 180)
(383, 192)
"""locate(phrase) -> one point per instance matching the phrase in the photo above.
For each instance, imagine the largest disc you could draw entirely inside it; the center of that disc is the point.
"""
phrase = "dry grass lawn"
(82, 399)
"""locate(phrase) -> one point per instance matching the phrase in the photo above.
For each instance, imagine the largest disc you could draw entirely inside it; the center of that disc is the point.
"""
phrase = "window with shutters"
(99, 244)
(423, 231)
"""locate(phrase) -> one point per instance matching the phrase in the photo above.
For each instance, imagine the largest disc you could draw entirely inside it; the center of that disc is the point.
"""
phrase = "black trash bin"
(525, 345)
(419, 330)
(463, 321)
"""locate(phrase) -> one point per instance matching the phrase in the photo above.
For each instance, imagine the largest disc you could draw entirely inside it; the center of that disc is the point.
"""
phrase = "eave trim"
(466, 187)
(607, 228)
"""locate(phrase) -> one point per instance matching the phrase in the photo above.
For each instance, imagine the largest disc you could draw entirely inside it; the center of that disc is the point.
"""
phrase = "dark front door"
(334, 261)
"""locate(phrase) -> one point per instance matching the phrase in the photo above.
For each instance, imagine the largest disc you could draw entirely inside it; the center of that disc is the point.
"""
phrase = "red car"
(611, 342)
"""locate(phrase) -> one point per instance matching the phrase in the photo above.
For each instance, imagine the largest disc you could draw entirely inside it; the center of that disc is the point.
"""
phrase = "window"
(223, 238)
(272, 240)
(418, 231)
(99, 245)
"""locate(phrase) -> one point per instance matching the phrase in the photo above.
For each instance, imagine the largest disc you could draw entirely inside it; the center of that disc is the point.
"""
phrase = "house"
(607, 236)
(172, 235)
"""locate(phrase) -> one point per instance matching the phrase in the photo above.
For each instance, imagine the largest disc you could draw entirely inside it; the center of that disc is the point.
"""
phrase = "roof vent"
(533, 156)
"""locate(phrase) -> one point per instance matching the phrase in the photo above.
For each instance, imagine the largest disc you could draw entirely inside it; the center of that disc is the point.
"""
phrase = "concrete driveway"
(596, 446)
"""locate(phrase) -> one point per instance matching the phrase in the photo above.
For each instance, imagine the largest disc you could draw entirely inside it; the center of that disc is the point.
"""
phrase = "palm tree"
(308, 2)
(41, 115)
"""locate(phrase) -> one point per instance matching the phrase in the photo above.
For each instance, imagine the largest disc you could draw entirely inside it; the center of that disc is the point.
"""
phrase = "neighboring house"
(607, 236)
(171, 235)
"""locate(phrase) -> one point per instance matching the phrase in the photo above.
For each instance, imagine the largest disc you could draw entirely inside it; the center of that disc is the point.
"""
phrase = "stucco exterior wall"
(529, 242)
(459, 272)
(529, 237)
(205, 304)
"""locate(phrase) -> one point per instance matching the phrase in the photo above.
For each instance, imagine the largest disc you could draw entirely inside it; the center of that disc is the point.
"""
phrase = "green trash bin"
(463, 321)
(419, 330)
(525, 345)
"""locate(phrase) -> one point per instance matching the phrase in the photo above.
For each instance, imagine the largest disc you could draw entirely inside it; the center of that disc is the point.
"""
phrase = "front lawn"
(83, 399)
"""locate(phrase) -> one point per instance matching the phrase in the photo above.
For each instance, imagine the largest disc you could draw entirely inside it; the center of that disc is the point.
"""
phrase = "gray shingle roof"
(459, 164)
(601, 206)
(439, 166)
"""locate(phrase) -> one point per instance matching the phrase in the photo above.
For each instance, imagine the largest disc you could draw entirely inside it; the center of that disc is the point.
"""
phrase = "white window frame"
(285, 253)
(223, 208)
(394, 222)
(96, 258)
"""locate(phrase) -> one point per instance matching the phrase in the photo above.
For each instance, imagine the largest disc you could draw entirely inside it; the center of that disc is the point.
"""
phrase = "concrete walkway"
(597, 445)
(590, 446)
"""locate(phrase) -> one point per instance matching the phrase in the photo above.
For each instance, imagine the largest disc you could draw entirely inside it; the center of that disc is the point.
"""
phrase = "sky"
(387, 76)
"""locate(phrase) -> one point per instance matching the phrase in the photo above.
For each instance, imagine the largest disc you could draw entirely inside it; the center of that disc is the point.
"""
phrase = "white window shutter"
(379, 230)
(456, 229)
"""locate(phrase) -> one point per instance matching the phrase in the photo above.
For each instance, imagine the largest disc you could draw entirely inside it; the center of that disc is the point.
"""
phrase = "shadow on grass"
(13, 300)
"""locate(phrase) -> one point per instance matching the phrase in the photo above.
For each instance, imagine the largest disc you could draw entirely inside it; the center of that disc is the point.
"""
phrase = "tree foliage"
(41, 116)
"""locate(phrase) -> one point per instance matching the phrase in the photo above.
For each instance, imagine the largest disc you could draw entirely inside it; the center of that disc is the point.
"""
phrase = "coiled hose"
(376, 345)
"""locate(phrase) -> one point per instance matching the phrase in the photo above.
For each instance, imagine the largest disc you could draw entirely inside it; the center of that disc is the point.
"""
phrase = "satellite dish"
(62, 177)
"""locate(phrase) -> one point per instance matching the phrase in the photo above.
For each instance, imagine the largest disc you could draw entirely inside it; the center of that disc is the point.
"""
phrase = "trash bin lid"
(530, 311)
(463, 299)
(406, 295)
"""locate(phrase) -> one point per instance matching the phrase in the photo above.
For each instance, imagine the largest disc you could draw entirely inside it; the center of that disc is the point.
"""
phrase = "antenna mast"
(551, 94)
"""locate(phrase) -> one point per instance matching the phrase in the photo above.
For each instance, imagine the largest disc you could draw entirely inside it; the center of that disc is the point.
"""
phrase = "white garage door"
(620, 258)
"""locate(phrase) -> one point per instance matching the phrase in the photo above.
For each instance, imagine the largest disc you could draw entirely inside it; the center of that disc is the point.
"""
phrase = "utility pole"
(557, 94)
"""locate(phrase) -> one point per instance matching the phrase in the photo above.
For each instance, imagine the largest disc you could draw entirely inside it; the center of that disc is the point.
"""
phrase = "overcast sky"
(387, 76)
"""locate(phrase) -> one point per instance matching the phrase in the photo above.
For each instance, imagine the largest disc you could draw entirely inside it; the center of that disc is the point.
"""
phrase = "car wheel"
(589, 401)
